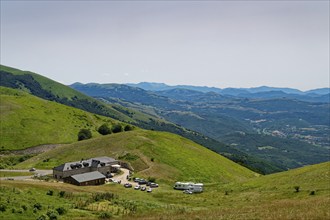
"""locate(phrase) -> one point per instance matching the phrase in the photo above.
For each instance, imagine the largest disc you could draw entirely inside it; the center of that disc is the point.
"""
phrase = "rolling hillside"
(231, 191)
(28, 121)
(162, 155)
(263, 197)
(141, 116)
(48, 89)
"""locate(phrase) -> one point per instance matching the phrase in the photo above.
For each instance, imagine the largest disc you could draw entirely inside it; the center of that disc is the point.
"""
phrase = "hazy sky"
(212, 43)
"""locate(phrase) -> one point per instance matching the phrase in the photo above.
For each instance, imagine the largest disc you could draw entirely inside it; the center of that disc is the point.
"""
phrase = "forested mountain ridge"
(287, 132)
(229, 91)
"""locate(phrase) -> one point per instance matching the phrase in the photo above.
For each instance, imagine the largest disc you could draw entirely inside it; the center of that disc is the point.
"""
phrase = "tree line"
(104, 129)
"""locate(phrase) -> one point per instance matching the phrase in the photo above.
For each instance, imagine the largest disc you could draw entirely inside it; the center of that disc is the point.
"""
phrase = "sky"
(207, 43)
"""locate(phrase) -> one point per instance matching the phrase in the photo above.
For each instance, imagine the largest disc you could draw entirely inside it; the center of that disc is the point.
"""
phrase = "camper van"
(189, 186)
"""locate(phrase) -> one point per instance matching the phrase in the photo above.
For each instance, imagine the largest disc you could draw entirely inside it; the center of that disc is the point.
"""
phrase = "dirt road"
(122, 177)
(37, 172)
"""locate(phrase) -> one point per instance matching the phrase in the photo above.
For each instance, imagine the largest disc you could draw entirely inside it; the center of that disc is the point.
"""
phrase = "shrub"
(42, 217)
(104, 129)
(103, 196)
(61, 210)
(105, 215)
(128, 128)
(24, 207)
(37, 206)
(151, 179)
(61, 194)
(117, 128)
(3, 208)
(52, 215)
(312, 193)
(297, 188)
(152, 159)
(84, 134)
(128, 156)
(50, 193)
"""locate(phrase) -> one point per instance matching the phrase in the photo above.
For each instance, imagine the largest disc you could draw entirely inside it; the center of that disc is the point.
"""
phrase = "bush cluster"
(84, 134)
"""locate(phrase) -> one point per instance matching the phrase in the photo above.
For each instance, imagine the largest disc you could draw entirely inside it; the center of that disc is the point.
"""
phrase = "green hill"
(28, 121)
(142, 117)
(48, 89)
(309, 178)
(263, 197)
(158, 154)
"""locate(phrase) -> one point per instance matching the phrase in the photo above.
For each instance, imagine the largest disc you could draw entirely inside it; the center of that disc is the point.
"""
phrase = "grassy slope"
(28, 121)
(271, 197)
(175, 158)
(265, 197)
(49, 85)
(75, 98)
(65, 92)
(309, 178)
(144, 118)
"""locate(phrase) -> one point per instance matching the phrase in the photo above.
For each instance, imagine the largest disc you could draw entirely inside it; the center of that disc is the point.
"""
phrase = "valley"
(223, 142)
(297, 131)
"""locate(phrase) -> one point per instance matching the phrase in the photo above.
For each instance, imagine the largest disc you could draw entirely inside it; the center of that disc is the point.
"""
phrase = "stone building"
(104, 165)
(85, 179)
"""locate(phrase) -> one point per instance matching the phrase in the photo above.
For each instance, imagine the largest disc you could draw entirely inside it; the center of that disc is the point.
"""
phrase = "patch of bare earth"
(36, 150)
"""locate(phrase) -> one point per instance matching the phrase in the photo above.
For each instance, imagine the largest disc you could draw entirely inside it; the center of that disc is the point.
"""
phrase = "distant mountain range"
(272, 125)
(315, 95)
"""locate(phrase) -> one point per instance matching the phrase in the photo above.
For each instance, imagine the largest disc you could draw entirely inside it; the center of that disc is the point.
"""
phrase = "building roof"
(92, 162)
(80, 178)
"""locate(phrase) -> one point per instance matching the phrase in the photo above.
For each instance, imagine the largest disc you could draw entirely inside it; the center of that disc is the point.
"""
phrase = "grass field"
(13, 174)
(28, 121)
(264, 197)
(162, 155)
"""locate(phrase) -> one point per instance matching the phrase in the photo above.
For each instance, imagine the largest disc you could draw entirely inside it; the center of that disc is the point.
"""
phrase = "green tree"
(84, 134)
(128, 128)
(117, 128)
(104, 129)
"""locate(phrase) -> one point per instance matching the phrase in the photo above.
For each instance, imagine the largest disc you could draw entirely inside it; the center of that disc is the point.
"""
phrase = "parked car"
(143, 188)
(136, 179)
(128, 185)
(137, 187)
(108, 175)
(142, 182)
(149, 190)
(32, 169)
(153, 185)
(113, 180)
